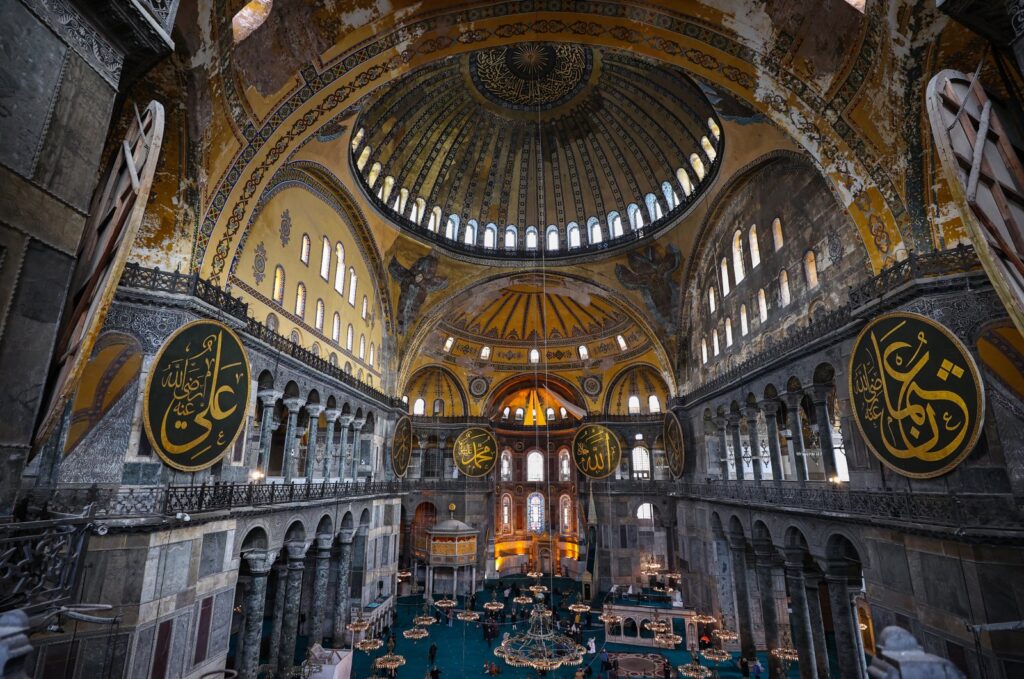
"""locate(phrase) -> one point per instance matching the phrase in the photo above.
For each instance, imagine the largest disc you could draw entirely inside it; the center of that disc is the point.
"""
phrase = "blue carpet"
(462, 651)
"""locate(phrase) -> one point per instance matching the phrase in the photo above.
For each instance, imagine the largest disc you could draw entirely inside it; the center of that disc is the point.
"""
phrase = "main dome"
(537, 148)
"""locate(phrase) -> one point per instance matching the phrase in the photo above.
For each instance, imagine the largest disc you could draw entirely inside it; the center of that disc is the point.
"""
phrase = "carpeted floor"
(462, 651)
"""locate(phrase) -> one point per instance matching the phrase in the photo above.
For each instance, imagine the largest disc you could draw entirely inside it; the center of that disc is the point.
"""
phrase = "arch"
(531, 238)
(653, 207)
(615, 229)
(304, 249)
(738, 270)
(724, 271)
(278, 292)
(762, 305)
(255, 538)
(552, 238)
(319, 320)
(347, 521)
(640, 379)
(784, 295)
(744, 325)
(435, 381)
(594, 230)
(491, 236)
(641, 459)
(300, 301)
(506, 516)
(325, 526)
(565, 514)
(535, 463)
(469, 237)
(325, 259)
(671, 197)
(511, 237)
(535, 519)
(296, 531)
(755, 248)
(451, 227)
(505, 469)
(573, 235)
(810, 269)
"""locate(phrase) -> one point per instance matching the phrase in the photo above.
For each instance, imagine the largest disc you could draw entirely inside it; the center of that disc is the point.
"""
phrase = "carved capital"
(345, 419)
(323, 544)
(314, 410)
(268, 397)
(769, 407)
(260, 561)
(819, 393)
(332, 414)
(296, 552)
(293, 404)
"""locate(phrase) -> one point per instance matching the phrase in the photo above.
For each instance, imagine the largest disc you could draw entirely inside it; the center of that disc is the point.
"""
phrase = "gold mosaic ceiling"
(537, 135)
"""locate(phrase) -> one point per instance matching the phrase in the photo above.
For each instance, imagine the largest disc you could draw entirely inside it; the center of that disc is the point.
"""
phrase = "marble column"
(738, 545)
(737, 445)
(291, 454)
(755, 442)
(812, 582)
(723, 459)
(280, 578)
(800, 618)
(819, 399)
(353, 453)
(770, 410)
(314, 426)
(268, 397)
(764, 564)
(842, 622)
(341, 593)
(292, 601)
(259, 562)
(344, 420)
(319, 612)
(796, 429)
(331, 415)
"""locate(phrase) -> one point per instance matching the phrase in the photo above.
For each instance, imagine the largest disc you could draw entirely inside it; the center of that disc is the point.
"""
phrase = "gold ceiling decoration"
(531, 75)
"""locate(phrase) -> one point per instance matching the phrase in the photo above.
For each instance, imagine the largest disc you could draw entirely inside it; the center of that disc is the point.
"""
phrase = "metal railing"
(40, 561)
(154, 279)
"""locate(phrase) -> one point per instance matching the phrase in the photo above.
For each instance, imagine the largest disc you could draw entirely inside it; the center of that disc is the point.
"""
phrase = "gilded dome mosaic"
(537, 149)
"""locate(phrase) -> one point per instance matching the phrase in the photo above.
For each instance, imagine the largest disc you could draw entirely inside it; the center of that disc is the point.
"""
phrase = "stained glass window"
(535, 513)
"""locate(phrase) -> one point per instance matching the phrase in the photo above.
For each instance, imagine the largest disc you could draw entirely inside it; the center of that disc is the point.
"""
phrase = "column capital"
(720, 423)
(345, 419)
(293, 404)
(794, 559)
(260, 561)
(763, 548)
(331, 415)
(819, 393)
(323, 544)
(296, 552)
(792, 398)
(268, 396)
(314, 410)
(769, 406)
(346, 536)
(358, 423)
(751, 413)
(733, 420)
(737, 542)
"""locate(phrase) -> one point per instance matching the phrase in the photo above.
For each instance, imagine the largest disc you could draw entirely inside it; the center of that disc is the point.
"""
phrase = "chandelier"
(494, 605)
(390, 661)
(535, 574)
(415, 633)
(467, 616)
(785, 654)
(538, 589)
(540, 647)
(425, 619)
(705, 619)
(694, 670)
(609, 618)
(522, 599)
(649, 565)
(358, 625)
(403, 574)
(716, 655)
(368, 645)
(445, 604)
(657, 626)
(579, 608)
(667, 640)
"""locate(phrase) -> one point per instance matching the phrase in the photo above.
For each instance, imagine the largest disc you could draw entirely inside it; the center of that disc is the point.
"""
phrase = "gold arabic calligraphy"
(401, 446)
(475, 451)
(597, 451)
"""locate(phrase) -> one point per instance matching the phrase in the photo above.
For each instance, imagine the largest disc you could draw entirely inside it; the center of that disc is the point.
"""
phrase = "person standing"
(758, 668)
(432, 653)
(744, 667)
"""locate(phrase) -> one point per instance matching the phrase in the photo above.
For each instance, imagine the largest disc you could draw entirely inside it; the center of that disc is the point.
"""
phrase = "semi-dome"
(537, 148)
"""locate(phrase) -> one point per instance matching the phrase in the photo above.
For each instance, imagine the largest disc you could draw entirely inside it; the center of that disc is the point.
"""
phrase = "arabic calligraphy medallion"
(475, 451)
(596, 451)
(401, 446)
(916, 394)
(675, 452)
(197, 395)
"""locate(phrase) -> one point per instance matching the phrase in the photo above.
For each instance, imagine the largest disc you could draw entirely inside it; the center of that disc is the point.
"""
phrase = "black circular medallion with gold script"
(197, 395)
(596, 451)
(916, 394)
(475, 451)
(675, 452)
(401, 446)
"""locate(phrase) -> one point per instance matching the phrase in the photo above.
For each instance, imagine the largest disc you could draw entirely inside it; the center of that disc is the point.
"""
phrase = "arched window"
(552, 238)
(716, 132)
(400, 201)
(584, 354)
(448, 344)
(703, 350)
(784, 287)
(506, 513)
(755, 249)
(506, 461)
(653, 403)
(300, 301)
(531, 238)
(641, 463)
(272, 322)
(325, 260)
(348, 368)
(352, 286)
(564, 467)
(371, 354)
(573, 233)
(534, 356)
(419, 407)
(350, 337)
(362, 346)
(737, 256)
(504, 413)
(698, 166)
(634, 404)
(728, 332)
(636, 216)
(777, 233)
(535, 513)
(519, 414)
(762, 305)
(645, 512)
(485, 353)
(304, 252)
(549, 414)
(671, 197)
(315, 349)
(294, 337)
(561, 413)
(724, 266)
(319, 315)
(744, 328)
(622, 342)
(511, 237)
(653, 207)
(811, 269)
(594, 230)
(714, 341)
(565, 514)
(711, 299)
(451, 229)
(363, 157)
(374, 175)
(279, 284)
(490, 236)
(434, 223)
(333, 360)
(366, 308)
(419, 210)
(684, 180)
(438, 407)
(535, 466)
(339, 272)
(709, 150)
(615, 225)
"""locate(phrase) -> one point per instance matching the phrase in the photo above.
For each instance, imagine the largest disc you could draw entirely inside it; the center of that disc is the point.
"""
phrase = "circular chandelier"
(358, 625)
(522, 599)
(390, 661)
(716, 655)
(445, 604)
(663, 590)
(538, 589)
(649, 566)
(369, 645)
(535, 574)
(609, 618)
(694, 670)
(667, 640)
(415, 633)
(658, 626)
(425, 619)
(403, 574)
(540, 647)
(579, 608)
(725, 635)
(467, 616)
(705, 619)
(494, 606)
(785, 654)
